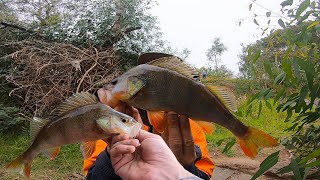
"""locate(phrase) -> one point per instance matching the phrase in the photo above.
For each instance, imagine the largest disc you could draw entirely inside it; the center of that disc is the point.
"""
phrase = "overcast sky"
(194, 24)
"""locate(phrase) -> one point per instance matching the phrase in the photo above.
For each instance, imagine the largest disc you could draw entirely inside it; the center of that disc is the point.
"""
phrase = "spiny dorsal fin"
(75, 101)
(225, 95)
(36, 125)
(87, 148)
(176, 64)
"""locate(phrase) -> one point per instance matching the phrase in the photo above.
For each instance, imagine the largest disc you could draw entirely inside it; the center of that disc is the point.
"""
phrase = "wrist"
(184, 174)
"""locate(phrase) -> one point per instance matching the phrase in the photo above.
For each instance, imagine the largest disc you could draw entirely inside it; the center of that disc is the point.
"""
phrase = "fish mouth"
(134, 130)
(114, 134)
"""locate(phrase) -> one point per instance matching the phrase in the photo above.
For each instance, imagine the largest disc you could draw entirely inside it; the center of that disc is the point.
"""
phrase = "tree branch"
(5, 25)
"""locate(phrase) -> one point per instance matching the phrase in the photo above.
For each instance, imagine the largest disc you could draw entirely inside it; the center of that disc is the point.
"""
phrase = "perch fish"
(81, 118)
(168, 84)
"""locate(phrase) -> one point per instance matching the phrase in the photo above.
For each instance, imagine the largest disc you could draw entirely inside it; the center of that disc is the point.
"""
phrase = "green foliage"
(291, 68)
(11, 121)
(267, 164)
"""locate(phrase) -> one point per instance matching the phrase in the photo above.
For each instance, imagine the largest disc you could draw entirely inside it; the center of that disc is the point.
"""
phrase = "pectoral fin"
(87, 148)
(51, 153)
(127, 88)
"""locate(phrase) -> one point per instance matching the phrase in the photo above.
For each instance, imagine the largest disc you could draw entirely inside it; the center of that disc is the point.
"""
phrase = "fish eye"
(124, 120)
(114, 81)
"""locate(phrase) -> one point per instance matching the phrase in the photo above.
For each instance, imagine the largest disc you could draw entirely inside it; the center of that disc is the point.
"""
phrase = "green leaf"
(220, 142)
(229, 145)
(287, 68)
(279, 78)
(270, 161)
(303, 94)
(268, 14)
(281, 23)
(313, 24)
(303, 6)
(309, 69)
(267, 68)
(255, 21)
(295, 169)
(260, 108)
(310, 156)
(279, 95)
(286, 3)
(313, 4)
(256, 56)
(268, 105)
(313, 164)
(306, 173)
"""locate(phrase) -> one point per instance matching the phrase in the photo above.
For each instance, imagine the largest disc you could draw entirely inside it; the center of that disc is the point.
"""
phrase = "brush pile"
(45, 74)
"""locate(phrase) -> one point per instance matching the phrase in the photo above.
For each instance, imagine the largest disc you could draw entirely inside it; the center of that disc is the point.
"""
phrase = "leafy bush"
(10, 120)
(293, 73)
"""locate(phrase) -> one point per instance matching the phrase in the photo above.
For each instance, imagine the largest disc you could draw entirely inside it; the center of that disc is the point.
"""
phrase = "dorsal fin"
(176, 64)
(75, 101)
(150, 56)
(36, 125)
(225, 95)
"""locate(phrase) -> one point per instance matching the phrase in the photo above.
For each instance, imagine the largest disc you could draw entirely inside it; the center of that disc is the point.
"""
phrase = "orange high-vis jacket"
(205, 164)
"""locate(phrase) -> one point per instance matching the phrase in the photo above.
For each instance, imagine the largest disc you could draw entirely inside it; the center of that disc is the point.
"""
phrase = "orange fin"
(87, 148)
(52, 153)
(253, 140)
(19, 166)
(206, 126)
(157, 120)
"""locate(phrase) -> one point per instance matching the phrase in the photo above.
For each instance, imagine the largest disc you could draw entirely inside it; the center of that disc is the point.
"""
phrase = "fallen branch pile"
(47, 73)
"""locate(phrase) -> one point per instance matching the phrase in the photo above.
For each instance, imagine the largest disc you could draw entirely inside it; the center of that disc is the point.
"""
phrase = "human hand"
(179, 138)
(144, 158)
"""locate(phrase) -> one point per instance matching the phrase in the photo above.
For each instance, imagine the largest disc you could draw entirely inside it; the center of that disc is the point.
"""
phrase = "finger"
(121, 107)
(188, 143)
(118, 151)
(136, 115)
(165, 136)
(119, 138)
(175, 139)
(130, 142)
(143, 135)
(102, 94)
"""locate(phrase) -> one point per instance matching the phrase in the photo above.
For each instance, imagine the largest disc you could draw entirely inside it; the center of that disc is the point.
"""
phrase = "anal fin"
(87, 148)
(52, 153)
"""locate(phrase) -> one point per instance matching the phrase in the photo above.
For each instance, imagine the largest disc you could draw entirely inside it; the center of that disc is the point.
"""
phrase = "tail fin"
(253, 140)
(19, 166)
